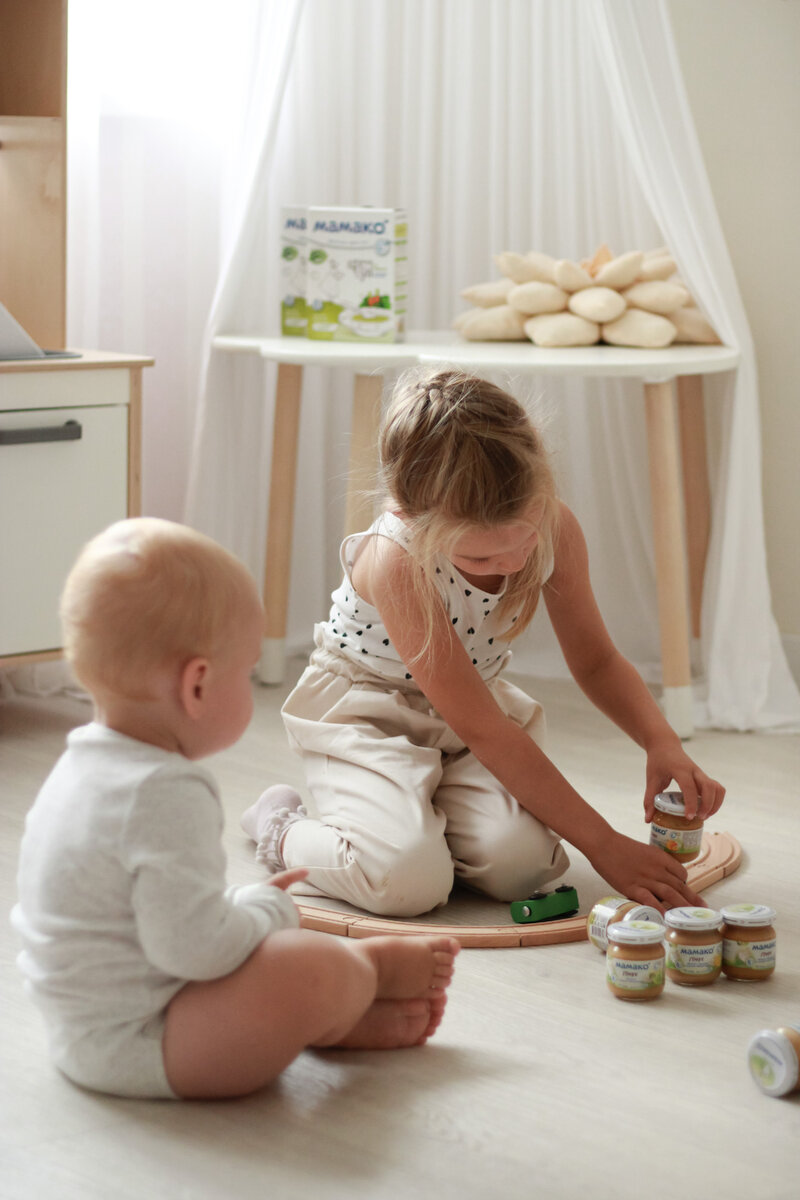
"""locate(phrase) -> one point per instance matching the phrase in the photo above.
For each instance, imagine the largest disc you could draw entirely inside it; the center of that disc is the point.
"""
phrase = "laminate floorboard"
(538, 1084)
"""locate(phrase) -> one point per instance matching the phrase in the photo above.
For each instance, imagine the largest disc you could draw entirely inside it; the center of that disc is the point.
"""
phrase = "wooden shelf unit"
(33, 166)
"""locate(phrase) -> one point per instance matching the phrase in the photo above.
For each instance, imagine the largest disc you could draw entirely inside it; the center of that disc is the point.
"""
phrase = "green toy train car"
(546, 906)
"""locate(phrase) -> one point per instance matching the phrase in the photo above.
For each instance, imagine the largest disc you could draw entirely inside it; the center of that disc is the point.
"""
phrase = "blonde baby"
(154, 978)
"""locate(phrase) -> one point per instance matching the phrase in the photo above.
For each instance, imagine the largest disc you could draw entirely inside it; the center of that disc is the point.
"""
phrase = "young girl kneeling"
(424, 764)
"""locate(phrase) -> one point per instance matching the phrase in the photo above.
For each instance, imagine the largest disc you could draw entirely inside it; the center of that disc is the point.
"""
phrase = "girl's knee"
(519, 860)
(418, 878)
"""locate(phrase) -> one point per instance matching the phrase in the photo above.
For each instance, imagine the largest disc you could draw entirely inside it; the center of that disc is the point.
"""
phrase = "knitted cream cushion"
(633, 299)
(562, 329)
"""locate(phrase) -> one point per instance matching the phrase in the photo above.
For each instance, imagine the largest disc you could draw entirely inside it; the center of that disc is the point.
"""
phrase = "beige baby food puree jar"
(774, 1059)
(694, 945)
(635, 960)
(616, 908)
(672, 830)
(748, 941)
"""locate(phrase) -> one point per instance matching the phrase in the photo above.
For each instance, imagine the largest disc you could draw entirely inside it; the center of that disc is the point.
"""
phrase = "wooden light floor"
(538, 1084)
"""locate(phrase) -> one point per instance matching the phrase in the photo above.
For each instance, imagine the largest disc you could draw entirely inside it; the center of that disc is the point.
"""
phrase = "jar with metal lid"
(635, 960)
(616, 908)
(748, 941)
(773, 1056)
(694, 945)
(672, 830)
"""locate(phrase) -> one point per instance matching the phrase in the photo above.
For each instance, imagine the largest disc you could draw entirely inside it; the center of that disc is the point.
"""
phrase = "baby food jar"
(748, 941)
(672, 830)
(635, 960)
(774, 1059)
(694, 945)
(616, 908)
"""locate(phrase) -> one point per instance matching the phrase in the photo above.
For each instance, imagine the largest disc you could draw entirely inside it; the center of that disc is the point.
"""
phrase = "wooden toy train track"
(720, 855)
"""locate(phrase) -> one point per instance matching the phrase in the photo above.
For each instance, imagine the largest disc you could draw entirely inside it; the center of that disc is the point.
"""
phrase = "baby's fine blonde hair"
(458, 452)
(146, 596)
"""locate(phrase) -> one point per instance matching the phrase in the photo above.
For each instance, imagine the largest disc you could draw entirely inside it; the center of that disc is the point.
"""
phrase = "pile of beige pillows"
(634, 299)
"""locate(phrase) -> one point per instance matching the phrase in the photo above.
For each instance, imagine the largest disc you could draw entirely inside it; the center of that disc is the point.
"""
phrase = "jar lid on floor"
(773, 1062)
(748, 914)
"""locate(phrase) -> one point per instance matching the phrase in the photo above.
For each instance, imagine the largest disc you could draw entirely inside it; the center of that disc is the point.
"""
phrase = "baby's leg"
(231, 1036)
(402, 1000)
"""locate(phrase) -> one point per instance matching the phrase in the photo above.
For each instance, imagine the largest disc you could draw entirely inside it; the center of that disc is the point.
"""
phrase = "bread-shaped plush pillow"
(562, 329)
(486, 295)
(526, 268)
(657, 296)
(501, 323)
(693, 327)
(597, 304)
(541, 266)
(620, 272)
(533, 298)
(571, 276)
(639, 328)
(459, 321)
(658, 266)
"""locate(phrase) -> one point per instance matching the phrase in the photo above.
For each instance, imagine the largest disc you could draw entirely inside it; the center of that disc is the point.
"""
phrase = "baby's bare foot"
(409, 966)
(438, 1002)
(395, 1024)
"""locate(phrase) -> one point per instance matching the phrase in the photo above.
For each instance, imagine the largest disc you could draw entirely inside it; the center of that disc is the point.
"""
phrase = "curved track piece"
(720, 855)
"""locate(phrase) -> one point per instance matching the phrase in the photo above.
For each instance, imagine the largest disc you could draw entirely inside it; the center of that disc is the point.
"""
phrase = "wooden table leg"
(280, 522)
(367, 396)
(135, 442)
(673, 615)
(696, 490)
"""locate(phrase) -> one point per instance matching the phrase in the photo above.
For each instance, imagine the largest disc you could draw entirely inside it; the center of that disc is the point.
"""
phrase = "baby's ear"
(194, 678)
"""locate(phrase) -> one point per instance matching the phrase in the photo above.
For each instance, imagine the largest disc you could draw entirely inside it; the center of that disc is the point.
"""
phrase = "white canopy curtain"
(748, 679)
(528, 124)
(156, 97)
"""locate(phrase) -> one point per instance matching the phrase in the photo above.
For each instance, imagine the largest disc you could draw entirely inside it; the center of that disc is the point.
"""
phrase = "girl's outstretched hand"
(668, 761)
(644, 873)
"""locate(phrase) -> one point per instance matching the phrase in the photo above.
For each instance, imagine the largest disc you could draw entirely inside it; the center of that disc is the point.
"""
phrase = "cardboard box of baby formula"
(293, 260)
(357, 274)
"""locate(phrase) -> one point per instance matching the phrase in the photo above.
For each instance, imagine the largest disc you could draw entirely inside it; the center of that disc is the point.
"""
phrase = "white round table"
(676, 455)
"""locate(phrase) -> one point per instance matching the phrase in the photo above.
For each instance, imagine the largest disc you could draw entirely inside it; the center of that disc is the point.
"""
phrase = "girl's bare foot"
(408, 967)
(395, 1024)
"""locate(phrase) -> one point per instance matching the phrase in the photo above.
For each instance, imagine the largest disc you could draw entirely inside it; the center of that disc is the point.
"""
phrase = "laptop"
(15, 343)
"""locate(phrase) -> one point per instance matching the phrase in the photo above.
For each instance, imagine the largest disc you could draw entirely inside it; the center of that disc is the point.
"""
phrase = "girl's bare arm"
(612, 683)
(447, 677)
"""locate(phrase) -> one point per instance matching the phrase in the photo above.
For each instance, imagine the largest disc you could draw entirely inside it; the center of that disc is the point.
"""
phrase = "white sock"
(267, 820)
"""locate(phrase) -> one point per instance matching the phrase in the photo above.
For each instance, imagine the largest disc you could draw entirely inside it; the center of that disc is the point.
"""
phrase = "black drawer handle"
(70, 431)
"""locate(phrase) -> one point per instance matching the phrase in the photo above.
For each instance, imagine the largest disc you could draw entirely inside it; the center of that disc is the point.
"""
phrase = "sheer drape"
(228, 476)
(157, 98)
(747, 677)
(548, 124)
(553, 125)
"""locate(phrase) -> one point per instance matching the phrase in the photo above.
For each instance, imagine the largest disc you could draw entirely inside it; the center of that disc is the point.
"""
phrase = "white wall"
(740, 65)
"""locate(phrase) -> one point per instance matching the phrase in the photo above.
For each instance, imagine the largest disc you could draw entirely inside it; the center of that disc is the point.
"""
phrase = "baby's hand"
(646, 874)
(702, 795)
(285, 879)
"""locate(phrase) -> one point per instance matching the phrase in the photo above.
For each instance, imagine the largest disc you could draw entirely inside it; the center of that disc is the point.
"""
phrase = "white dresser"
(70, 464)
